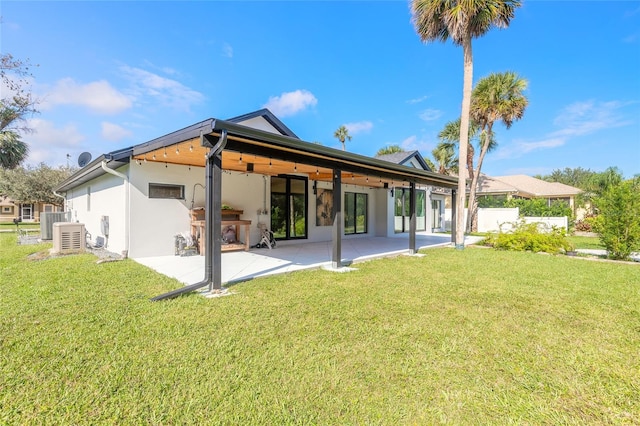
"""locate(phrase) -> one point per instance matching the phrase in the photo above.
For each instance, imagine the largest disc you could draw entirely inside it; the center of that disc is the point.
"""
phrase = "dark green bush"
(539, 207)
(528, 237)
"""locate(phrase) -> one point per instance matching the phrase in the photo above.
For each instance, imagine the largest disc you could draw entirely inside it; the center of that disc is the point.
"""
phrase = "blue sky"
(115, 74)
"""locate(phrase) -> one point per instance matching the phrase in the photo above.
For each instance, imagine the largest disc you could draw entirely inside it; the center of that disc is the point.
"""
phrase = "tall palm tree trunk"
(472, 222)
(464, 139)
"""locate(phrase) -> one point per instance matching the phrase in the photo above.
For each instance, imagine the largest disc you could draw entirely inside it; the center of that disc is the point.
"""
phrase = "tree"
(445, 156)
(16, 105)
(497, 97)
(343, 135)
(391, 149)
(577, 177)
(33, 184)
(450, 138)
(618, 221)
(439, 20)
(13, 151)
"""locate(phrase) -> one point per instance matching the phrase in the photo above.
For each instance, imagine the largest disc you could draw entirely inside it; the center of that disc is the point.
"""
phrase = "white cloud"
(227, 50)
(581, 118)
(49, 143)
(519, 148)
(417, 100)
(412, 143)
(359, 127)
(113, 132)
(290, 103)
(575, 120)
(150, 87)
(430, 114)
(98, 96)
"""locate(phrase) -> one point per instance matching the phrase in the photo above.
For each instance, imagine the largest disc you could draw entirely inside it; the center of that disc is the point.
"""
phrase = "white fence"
(490, 220)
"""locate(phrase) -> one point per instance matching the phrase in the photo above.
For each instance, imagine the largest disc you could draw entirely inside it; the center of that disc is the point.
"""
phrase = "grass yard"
(460, 337)
(580, 242)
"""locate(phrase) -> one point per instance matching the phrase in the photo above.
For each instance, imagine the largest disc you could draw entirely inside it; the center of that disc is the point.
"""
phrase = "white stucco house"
(139, 198)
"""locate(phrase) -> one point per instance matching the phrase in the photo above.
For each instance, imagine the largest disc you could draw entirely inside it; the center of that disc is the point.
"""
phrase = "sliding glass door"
(403, 212)
(289, 207)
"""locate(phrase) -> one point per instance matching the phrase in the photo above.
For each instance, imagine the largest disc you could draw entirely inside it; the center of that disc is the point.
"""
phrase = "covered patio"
(242, 266)
(220, 145)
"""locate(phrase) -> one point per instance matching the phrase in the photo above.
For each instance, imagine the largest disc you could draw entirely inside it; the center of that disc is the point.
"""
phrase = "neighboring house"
(139, 198)
(523, 186)
(430, 200)
(26, 212)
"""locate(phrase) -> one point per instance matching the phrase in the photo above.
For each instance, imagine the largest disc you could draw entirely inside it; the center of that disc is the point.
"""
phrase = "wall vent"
(68, 237)
(48, 219)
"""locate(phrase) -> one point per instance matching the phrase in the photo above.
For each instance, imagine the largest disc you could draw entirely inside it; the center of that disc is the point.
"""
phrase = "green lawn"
(460, 337)
(586, 242)
(10, 226)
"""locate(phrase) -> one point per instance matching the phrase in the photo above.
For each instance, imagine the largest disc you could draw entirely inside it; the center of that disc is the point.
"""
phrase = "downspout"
(212, 235)
(126, 204)
(64, 199)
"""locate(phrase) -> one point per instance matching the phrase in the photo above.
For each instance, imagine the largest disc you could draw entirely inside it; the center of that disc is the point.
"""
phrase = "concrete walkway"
(288, 256)
(599, 252)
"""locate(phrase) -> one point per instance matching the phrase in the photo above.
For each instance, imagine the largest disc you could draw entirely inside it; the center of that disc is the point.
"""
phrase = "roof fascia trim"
(346, 157)
(191, 132)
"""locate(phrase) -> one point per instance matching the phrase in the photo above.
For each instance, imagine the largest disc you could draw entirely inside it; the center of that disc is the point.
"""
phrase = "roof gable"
(263, 119)
(406, 158)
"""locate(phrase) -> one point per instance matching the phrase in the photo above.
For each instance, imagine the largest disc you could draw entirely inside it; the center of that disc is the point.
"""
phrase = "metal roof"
(286, 148)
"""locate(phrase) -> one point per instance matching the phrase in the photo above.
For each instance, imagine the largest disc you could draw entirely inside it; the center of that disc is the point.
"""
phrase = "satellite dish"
(84, 159)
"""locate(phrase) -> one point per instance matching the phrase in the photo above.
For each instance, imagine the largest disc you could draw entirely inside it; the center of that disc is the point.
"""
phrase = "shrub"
(538, 207)
(586, 224)
(618, 221)
(528, 237)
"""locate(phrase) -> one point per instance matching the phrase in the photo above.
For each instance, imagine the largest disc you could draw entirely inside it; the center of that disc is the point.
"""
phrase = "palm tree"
(445, 155)
(391, 149)
(439, 20)
(13, 151)
(497, 97)
(343, 135)
(450, 135)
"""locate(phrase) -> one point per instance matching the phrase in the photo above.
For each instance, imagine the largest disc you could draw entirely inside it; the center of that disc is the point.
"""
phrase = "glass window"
(403, 209)
(162, 190)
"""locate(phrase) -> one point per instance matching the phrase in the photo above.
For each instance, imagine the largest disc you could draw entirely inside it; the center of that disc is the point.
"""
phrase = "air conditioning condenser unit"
(68, 237)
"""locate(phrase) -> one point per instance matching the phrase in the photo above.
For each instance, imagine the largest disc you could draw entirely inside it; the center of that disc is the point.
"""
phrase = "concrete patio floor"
(287, 257)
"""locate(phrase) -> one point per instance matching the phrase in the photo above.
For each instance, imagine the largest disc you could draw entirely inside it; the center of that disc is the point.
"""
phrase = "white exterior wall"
(502, 219)
(490, 219)
(108, 195)
(384, 214)
(155, 222)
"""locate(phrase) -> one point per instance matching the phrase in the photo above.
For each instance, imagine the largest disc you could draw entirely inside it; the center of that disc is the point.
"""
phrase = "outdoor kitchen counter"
(198, 228)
